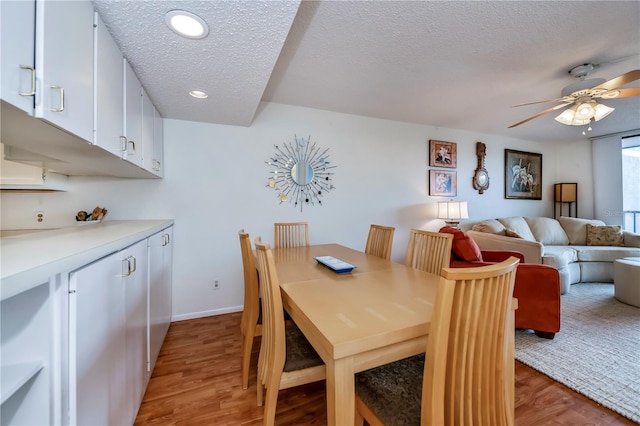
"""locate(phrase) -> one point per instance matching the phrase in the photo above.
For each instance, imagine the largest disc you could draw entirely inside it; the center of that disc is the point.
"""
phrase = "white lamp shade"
(585, 111)
(452, 210)
(602, 111)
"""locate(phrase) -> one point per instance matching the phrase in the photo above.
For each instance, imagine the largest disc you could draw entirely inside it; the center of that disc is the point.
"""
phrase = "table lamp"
(452, 212)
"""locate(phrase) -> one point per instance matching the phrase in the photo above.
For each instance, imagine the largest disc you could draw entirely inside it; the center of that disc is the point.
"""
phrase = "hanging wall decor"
(300, 172)
(522, 175)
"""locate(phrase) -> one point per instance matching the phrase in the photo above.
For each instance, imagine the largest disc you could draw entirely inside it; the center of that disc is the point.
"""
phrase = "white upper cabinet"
(147, 132)
(132, 116)
(70, 101)
(17, 23)
(64, 65)
(158, 143)
(109, 103)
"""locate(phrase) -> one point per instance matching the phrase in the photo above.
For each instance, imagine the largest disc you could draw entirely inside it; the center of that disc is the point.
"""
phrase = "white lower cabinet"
(108, 321)
(160, 271)
(97, 345)
(119, 311)
(136, 314)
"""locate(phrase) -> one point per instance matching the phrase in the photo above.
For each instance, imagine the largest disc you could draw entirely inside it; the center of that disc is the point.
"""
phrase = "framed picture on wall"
(443, 183)
(522, 175)
(443, 154)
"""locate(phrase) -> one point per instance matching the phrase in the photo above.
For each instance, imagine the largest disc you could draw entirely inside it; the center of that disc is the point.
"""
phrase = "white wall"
(215, 184)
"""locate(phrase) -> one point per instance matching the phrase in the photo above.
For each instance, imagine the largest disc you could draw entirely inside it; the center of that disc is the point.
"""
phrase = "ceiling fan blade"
(563, 99)
(621, 80)
(620, 93)
(546, 111)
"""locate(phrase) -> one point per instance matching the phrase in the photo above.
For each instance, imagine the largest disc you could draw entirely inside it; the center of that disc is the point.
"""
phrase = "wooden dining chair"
(466, 376)
(428, 251)
(286, 359)
(290, 234)
(379, 241)
(251, 322)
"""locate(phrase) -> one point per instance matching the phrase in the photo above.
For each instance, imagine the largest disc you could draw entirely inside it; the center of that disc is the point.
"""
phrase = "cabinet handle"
(134, 147)
(129, 269)
(156, 165)
(123, 140)
(61, 89)
(166, 239)
(33, 81)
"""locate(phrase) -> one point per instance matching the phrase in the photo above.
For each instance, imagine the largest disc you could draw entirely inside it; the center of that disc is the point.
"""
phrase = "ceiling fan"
(579, 98)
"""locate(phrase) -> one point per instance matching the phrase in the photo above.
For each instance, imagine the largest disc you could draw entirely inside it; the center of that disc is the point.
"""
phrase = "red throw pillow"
(463, 245)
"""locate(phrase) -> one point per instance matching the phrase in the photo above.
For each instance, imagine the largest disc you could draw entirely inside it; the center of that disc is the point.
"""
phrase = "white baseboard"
(201, 314)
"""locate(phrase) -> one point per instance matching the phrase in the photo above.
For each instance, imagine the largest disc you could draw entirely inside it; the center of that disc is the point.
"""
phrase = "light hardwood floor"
(197, 381)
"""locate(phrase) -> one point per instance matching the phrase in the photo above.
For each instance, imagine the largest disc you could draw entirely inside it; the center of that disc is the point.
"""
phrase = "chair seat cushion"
(394, 391)
(300, 353)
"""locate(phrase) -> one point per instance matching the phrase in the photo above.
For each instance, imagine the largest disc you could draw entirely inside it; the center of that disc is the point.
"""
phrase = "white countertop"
(30, 259)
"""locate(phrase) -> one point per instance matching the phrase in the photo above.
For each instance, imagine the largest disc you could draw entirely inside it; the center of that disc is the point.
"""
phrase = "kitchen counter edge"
(29, 260)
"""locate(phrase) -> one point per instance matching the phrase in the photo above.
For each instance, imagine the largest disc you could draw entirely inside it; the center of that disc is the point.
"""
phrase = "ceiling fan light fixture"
(602, 111)
(186, 24)
(571, 118)
(585, 111)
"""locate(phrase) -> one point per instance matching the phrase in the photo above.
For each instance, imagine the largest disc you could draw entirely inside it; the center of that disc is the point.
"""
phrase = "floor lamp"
(565, 193)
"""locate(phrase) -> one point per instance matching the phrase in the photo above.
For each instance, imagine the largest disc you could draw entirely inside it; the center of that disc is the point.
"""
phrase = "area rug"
(596, 352)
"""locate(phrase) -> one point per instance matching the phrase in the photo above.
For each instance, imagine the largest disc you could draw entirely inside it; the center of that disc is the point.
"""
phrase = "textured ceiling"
(448, 64)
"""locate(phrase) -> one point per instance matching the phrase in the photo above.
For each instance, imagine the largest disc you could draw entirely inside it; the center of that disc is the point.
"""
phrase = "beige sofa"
(582, 250)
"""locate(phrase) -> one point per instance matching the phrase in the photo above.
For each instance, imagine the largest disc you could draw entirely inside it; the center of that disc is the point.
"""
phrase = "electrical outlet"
(41, 217)
(216, 285)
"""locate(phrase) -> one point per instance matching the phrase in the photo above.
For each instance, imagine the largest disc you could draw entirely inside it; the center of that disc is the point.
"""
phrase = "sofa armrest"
(630, 239)
(532, 250)
(497, 256)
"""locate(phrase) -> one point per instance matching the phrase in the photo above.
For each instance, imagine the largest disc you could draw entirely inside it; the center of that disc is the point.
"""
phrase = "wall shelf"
(14, 376)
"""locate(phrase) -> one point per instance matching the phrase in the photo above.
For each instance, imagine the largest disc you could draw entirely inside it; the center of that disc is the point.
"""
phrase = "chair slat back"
(478, 386)
(380, 241)
(290, 234)
(429, 251)
(272, 350)
(251, 309)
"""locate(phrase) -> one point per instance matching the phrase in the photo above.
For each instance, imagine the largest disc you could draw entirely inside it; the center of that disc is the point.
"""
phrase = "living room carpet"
(596, 352)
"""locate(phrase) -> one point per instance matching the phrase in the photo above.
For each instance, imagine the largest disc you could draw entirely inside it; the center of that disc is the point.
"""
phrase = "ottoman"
(626, 280)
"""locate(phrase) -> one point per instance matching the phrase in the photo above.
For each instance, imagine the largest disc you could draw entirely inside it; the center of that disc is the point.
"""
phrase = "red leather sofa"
(537, 287)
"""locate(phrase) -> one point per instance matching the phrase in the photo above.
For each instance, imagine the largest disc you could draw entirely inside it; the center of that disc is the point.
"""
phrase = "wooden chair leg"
(247, 345)
(260, 393)
(270, 403)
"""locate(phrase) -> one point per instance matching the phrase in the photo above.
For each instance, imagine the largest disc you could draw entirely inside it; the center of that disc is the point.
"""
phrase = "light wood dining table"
(378, 313)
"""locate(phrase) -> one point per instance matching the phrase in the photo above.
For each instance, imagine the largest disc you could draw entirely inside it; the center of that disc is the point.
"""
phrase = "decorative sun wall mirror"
(300, 173)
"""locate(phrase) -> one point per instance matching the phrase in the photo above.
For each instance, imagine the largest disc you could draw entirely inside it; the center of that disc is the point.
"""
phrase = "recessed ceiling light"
(198, 94)
(186, 24)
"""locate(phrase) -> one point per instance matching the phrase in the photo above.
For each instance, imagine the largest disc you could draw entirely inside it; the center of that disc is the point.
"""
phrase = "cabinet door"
(98, 380)
(160, 271)
(64, 65)
(147, 132)
(132, 115)
(158, 143)
(17, 42)
(135, 284)
(108, 82)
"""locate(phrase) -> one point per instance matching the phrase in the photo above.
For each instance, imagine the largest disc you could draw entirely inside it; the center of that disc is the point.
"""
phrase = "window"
(631, 183)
